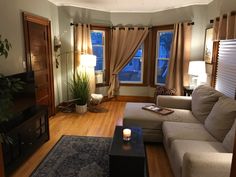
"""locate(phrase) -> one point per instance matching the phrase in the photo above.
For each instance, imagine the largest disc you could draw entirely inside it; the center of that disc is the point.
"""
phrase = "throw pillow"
(203, 100)
(228, 142)
(221, 118)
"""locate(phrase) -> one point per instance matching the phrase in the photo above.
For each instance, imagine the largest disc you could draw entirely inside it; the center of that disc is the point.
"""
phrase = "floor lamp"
(88, 62)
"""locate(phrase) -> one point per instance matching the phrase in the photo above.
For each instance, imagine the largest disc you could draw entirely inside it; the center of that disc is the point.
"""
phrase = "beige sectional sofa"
(198, 136)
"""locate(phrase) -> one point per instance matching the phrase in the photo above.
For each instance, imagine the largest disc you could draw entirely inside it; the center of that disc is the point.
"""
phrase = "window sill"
(134, 84)
(102, 85)
(124, 84)
(155, 85)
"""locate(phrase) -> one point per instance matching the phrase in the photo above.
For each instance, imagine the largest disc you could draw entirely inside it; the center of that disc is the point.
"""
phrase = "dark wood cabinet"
(26, 133)
(127, 159)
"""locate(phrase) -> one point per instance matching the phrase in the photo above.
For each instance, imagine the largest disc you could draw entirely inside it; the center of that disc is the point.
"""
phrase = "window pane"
(164, 42)
(133, 70)
(99, 64)
(139, 53)
(98, 48)
(98, 51)
(162, 68)
(96, 37)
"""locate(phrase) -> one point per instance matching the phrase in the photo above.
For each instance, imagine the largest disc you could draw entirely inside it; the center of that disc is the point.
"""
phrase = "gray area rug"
(75, 156)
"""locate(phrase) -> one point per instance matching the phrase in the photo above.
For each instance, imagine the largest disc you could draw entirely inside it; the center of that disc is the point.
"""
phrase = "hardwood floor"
(94, 124)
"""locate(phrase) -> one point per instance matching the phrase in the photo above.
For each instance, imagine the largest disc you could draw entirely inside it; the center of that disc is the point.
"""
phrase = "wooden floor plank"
(94, 124)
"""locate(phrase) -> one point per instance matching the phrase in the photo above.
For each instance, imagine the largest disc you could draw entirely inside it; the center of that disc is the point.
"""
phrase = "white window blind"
(226, 70)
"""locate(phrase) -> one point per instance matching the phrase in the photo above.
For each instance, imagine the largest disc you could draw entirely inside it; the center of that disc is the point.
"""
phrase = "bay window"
(133, 72)
(163, 49)
(100, 43)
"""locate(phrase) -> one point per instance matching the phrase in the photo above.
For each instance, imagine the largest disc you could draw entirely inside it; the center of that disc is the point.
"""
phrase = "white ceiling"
(130, 5)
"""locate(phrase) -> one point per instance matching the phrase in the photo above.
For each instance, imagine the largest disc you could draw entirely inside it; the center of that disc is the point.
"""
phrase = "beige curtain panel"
(231, 26)
(83, 44)
(216, 28)
(177, 75)
(224, 27)
(124, 45)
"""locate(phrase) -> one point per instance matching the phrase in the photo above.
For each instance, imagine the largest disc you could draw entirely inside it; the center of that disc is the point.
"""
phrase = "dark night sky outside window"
(133, 71)
(164, 42)
(98, 49)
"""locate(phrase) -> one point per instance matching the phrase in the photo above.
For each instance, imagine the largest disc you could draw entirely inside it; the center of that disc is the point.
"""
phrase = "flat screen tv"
(24, 99)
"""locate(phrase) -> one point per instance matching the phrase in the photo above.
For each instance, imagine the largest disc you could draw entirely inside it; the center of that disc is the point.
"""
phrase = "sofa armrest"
(177, 102)
(206, 164)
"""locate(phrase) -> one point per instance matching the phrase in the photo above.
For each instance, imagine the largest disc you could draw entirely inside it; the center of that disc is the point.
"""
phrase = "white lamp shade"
(87, 60)
(197, 68)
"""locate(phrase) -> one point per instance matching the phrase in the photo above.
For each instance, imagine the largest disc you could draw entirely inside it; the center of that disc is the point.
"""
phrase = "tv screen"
(25, 98)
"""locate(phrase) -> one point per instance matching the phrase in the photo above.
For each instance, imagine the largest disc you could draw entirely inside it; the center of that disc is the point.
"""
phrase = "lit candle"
(126, 134)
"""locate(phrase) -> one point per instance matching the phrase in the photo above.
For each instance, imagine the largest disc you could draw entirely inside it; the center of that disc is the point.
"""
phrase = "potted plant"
(4, 48)
(7, 86)
(80, 92)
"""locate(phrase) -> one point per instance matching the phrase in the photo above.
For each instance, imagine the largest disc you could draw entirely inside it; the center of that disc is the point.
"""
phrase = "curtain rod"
(190, 23)
(122, 27)
(130, 28)
(73, 24)
(224, 16)
(217, 19)
(76, 24)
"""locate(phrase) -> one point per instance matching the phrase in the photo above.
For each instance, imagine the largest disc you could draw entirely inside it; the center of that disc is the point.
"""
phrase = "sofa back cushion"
(221, 118)
(203, 100)
(228, 142)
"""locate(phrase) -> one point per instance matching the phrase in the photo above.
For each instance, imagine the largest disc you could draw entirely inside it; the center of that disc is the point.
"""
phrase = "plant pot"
(81, 109)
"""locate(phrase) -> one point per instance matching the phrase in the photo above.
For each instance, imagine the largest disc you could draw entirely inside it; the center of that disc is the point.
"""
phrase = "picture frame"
(208, 47)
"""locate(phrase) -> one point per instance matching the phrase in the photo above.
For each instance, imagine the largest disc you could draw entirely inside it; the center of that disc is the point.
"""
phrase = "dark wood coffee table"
(127, 159)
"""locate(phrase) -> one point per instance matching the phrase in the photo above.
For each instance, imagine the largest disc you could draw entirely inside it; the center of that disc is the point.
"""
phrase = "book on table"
(158, 109)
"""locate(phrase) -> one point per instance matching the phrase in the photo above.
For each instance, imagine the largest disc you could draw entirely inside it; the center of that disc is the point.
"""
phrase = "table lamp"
(197, 71)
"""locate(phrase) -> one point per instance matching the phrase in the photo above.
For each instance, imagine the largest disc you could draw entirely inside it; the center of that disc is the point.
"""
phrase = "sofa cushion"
(185, 131)
(203, 100)
(208, 164)
(180, 147)
(135, 116)
(221, 118)
(228, 142)
(176, 102)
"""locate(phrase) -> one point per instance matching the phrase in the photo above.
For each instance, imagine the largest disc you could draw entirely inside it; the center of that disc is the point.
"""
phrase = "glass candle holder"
(126, 134)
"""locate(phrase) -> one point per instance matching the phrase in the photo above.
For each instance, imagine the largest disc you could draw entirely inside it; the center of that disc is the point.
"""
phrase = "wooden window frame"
(145, 66)
(155, 29)
(103, 45)
(215, 52)
(107, 53)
